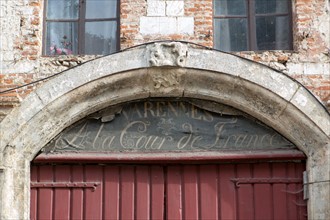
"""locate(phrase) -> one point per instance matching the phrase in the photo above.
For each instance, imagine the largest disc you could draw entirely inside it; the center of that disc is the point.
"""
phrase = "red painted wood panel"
(173, 193)
(111, 192)
(157, 192)
(190, 199)
(291, 190)
(208, 178)
(245, 197)
(227, 192)
(93, 198)
(45, 195)
(263, 196)
(77, 194)
(279, 192)
(34, 194)
(301, 204)
(168, 192)
(62, 195)
(127, 192)
(142, 200)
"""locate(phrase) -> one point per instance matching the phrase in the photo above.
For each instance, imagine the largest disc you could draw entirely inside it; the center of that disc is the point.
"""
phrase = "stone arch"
(163, 70)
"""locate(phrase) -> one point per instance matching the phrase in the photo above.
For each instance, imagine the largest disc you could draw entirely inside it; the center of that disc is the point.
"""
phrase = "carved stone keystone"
(167, 54)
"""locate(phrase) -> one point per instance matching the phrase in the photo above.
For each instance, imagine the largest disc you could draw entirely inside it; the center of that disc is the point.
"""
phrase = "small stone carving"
(166, 79)
(167, 54)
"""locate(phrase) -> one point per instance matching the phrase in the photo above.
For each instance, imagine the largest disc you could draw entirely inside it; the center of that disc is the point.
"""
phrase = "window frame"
(251, 16)
(81, 22)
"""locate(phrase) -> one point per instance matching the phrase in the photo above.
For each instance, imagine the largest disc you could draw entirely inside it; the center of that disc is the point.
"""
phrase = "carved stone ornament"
(171, 79)
(167, 54)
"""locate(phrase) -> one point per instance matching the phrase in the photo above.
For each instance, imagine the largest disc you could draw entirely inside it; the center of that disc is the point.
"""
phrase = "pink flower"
(58, 51)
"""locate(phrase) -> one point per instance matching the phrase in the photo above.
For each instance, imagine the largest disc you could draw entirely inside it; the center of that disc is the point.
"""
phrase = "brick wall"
(143, 21)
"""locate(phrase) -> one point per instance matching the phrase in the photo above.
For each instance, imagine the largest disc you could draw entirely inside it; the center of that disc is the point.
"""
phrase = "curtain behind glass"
(100, 37)
(62, 38)
(62, 9)
(230, 34)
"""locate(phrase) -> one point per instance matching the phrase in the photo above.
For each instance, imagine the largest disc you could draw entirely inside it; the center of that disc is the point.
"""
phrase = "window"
(81, 27)
(241, 25)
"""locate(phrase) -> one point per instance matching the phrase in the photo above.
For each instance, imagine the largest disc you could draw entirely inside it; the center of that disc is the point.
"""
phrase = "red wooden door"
(204, 191)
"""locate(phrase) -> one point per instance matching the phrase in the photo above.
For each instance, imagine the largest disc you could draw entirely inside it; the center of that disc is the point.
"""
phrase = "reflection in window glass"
(101, 8)
(271, 6)
(100, 37)
(62, 9)
(230, 7)
(62, 38)
(273, 33)
(231, 34)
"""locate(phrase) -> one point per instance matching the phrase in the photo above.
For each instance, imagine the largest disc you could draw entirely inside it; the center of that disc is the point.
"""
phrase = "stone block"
(313, 68)
(295, 68)
(149, 25)
(305, 101)
(185, 25)
(174, 8)
(167, 25)
(156, 8)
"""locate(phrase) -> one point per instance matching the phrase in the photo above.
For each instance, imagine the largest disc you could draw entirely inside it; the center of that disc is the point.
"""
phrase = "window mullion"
(290, 6)
(252, 25)
(44, 35)
(81, 27)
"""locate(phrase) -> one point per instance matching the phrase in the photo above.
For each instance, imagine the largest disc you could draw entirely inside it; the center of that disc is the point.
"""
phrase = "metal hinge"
(91, 185)
(305, 185)
(239, 181)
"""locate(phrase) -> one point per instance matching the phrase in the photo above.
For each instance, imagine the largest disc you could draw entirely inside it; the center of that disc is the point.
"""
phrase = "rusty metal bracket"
(91, 185)
(239, 181)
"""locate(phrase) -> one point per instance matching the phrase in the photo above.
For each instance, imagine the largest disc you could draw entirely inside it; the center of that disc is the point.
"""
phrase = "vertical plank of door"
(263, 193)
(227, 192)
(157, 192)
(127, 193)
(279, 192)
(34, 193)
(77, 194)
(301, 203)
(62, 195)
(93, 198)
(45, 195)
(291, 193)
(142, 200)
(208, 192)
(245, 198)
(190, 200)
(173, 193)
(111, 192)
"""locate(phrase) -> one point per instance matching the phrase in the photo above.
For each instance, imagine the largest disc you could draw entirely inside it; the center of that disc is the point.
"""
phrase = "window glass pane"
(62, 38)
(101, 8)
(62, 9)
(273, 33)
(100, 37)
(230, 34)
(271, 6)
(230, 7)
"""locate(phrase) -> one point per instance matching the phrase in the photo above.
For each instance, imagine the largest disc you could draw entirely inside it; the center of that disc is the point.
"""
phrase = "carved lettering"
(167, 126)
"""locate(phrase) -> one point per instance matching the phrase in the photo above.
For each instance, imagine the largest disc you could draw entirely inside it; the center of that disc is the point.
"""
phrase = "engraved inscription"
(167, 126)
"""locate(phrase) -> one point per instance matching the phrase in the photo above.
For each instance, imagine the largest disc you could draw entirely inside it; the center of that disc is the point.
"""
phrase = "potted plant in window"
(63, 49)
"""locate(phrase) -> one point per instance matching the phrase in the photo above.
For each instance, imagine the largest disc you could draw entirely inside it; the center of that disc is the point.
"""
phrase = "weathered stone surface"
(138, 74)
(167, 54)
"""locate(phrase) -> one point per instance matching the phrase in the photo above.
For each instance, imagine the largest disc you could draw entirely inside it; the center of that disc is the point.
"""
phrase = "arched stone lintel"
(169, 82)
(277, 83)
(267, 95)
